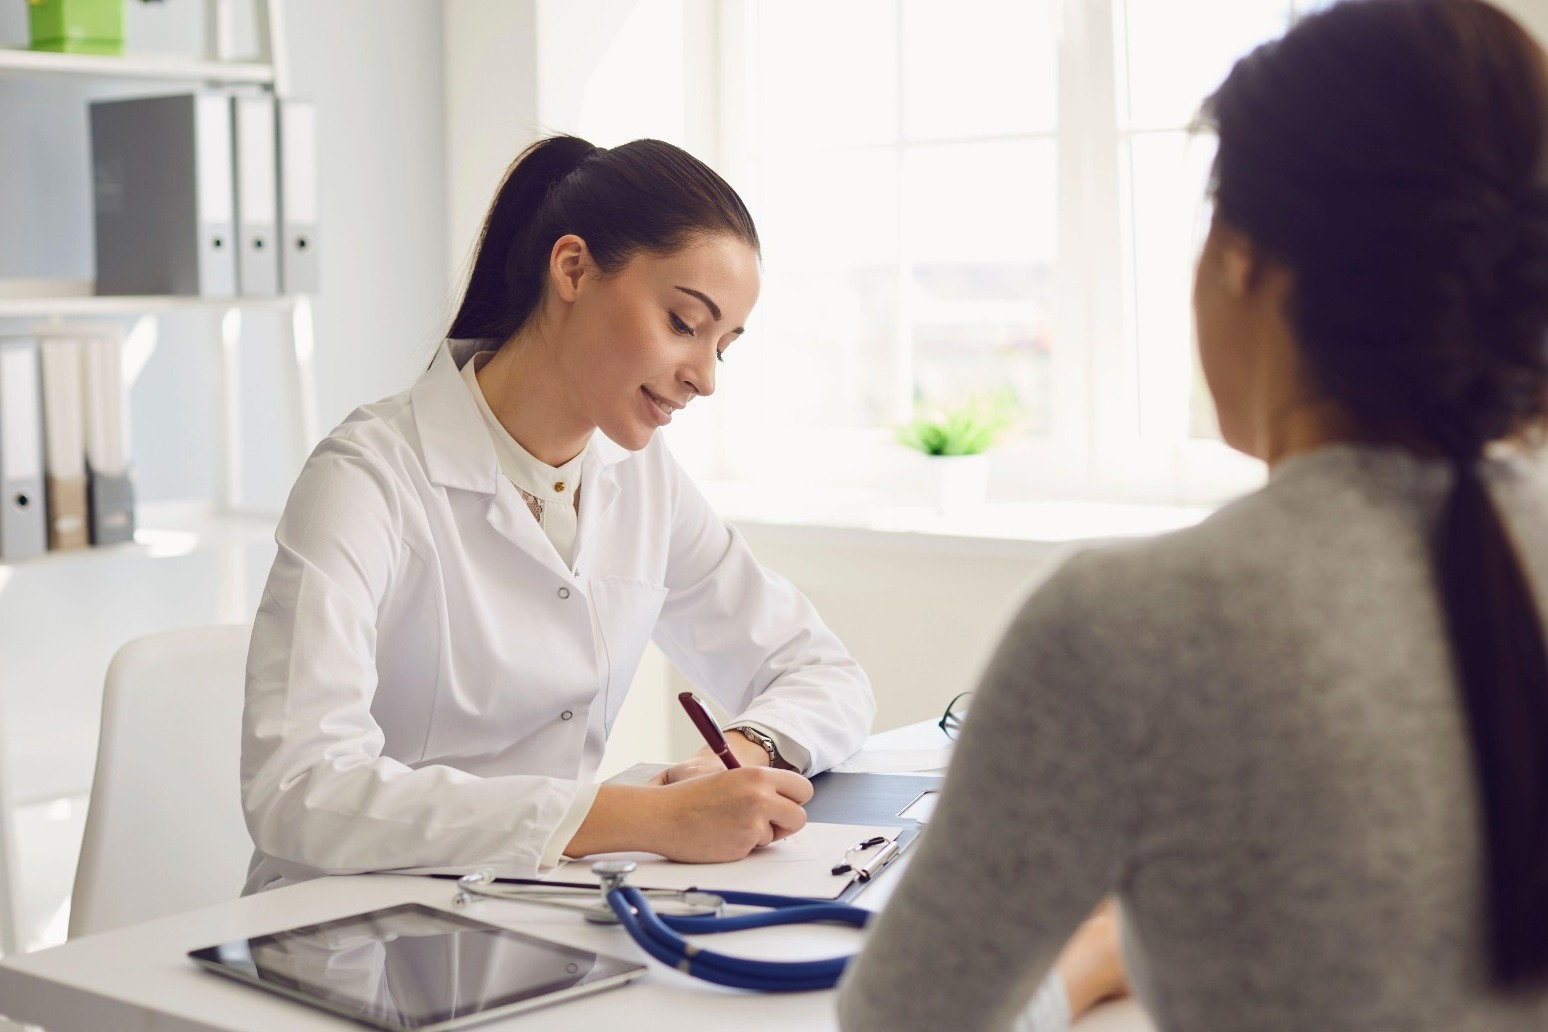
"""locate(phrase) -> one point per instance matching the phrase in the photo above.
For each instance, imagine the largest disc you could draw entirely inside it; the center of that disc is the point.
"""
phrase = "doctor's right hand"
(715, 818)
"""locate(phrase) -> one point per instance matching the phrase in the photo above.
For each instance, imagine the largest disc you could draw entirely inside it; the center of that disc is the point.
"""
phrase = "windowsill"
(866, 518)
(862, 487)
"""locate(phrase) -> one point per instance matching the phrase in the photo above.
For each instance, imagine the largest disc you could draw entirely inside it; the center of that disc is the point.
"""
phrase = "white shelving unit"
(14, 61)
(209, 545)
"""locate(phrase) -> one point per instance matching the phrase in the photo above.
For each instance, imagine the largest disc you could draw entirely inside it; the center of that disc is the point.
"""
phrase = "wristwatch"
(758, 737)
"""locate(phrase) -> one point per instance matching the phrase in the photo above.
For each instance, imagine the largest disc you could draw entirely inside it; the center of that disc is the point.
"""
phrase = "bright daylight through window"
(983, 197)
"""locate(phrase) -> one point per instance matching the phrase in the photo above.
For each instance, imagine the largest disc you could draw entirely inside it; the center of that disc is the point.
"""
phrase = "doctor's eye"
(720, 355)
(679, 326)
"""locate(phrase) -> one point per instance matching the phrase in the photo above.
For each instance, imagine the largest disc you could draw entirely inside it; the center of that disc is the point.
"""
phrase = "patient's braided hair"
(1393, 155)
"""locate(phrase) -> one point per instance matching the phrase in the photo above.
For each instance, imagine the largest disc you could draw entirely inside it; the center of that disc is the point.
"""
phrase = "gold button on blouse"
(558, 485)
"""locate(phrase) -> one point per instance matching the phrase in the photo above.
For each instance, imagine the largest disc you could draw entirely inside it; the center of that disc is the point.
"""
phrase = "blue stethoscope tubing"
(660, 937)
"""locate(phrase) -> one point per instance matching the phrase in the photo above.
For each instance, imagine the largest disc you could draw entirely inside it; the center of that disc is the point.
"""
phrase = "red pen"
(708, 728)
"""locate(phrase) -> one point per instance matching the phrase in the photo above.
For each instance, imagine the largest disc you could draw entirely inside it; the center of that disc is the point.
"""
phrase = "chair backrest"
(164, 829)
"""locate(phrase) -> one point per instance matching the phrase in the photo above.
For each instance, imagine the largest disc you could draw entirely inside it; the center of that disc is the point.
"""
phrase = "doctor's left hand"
(703, 762)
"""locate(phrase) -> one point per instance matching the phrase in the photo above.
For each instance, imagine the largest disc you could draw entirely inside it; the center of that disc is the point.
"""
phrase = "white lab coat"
(429, 685)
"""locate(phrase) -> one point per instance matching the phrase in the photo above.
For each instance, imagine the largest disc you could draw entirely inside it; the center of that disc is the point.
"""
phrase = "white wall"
(922, 616)
(1531, 13)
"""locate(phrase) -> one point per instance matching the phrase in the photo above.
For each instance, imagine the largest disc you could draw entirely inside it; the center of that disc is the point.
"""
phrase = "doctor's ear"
(568, 263)
(1240, 264)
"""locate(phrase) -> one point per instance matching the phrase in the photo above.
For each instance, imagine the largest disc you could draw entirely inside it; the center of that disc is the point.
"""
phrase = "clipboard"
(856, 799)
(871, 799)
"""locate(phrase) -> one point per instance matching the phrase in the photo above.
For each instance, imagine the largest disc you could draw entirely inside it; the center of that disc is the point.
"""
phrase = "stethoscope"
(697, 912)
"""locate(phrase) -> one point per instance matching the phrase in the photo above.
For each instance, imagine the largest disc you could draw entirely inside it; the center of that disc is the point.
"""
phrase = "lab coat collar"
(457, 448)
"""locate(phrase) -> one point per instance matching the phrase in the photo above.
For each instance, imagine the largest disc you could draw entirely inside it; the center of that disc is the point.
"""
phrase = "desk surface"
(140, 978)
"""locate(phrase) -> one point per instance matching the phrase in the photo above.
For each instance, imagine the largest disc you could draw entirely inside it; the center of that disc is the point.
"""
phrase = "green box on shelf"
(77, 26)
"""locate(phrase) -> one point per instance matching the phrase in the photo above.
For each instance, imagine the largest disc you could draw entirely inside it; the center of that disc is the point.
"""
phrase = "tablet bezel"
(615, 971)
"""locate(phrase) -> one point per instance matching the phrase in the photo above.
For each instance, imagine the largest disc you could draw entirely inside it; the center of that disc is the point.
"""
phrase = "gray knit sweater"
(1250, 732)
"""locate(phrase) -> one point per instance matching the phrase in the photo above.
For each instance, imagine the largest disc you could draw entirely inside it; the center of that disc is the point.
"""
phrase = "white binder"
(64, 437)
(297, 132)
(256, 167)
(23, 523)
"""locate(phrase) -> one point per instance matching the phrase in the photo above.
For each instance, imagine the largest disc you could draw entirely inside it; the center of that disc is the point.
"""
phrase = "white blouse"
(551, 492)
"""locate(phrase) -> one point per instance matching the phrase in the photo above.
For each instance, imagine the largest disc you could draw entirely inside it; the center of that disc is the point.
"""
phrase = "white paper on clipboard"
(801, 865)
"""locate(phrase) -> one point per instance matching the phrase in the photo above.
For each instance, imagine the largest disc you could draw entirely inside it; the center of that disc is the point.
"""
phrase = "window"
(1166, 66)
(979, 196)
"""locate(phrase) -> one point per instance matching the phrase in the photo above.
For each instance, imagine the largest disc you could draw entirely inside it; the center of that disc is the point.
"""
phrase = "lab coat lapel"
(459, 454)
(599, 490)
(512, 520)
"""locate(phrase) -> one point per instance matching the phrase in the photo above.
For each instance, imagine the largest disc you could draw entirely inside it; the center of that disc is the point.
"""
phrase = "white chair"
(12, 937)
(164, 830)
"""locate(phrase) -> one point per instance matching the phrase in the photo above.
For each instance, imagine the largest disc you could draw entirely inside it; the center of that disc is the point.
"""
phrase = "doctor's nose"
(700, 380)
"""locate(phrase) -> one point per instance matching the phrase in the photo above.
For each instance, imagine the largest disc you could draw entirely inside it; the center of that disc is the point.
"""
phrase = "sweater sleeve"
(1032, 830)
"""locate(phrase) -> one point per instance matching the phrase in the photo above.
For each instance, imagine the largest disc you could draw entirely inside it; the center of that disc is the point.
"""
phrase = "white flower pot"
(961, 482)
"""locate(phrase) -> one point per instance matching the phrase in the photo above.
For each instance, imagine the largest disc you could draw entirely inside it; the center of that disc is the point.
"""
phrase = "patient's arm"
(1091, 964)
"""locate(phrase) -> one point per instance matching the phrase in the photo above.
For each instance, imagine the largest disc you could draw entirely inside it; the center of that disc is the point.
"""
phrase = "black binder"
(868, 798)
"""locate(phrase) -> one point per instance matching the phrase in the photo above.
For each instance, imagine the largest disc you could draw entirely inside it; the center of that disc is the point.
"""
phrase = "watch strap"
(760, 737)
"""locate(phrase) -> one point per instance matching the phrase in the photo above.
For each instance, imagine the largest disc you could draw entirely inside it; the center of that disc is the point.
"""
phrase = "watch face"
(752, 734)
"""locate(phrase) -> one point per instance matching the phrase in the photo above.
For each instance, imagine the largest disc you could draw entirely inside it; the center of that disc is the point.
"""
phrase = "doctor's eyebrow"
(709, 303)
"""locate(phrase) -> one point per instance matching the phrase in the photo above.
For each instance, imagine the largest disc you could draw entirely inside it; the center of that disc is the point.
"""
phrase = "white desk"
(140, 978)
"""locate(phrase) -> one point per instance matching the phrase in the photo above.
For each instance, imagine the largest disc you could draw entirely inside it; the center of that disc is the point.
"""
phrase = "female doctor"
(469, 571)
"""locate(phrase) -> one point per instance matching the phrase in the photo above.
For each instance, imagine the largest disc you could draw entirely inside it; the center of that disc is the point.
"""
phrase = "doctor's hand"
(714, 818)
(747, 752)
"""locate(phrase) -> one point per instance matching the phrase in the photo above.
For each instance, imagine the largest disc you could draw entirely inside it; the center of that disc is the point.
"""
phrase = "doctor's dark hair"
(642, 197)
(1393, 155)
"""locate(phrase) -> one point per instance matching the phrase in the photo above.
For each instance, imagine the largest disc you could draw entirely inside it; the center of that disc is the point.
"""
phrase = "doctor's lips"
(664, 406)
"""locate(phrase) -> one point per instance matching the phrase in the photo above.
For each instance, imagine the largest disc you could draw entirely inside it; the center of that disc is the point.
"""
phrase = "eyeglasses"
(956, 712)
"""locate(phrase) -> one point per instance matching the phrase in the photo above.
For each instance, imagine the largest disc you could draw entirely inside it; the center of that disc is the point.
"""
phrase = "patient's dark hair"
(1393, 155)
(645, 196)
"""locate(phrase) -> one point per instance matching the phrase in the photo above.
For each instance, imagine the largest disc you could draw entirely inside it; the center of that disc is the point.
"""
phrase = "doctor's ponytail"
(642, 197)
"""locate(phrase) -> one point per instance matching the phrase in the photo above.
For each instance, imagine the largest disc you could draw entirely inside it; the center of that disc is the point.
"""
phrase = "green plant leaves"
(973, 426)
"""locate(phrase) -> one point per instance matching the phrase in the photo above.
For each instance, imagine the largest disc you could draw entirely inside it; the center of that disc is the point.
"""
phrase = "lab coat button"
(564, 592)
(566, 715)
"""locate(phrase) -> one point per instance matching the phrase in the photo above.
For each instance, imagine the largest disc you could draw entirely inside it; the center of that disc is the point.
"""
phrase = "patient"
(1306, 742)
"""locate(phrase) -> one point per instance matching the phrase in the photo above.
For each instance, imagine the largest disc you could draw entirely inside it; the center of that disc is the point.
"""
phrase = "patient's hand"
(1091, 964)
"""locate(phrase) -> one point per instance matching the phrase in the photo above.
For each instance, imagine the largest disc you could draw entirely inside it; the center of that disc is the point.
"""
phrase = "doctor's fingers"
(789, 784)
(694, 767)
(786, 822)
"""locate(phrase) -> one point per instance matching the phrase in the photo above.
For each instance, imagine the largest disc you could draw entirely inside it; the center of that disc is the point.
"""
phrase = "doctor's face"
(643, 342)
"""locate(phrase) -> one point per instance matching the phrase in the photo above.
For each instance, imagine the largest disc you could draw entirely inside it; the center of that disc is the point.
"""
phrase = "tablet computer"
(413, 968)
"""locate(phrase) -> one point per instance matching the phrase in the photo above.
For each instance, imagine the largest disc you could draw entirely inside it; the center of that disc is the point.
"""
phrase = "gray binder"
(23, 522)
(257, 193)
(297, 130)
(110, 501)
(164, 195)
(109, 477)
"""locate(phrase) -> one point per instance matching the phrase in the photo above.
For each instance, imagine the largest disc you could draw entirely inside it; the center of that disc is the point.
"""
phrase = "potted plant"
(957, 439)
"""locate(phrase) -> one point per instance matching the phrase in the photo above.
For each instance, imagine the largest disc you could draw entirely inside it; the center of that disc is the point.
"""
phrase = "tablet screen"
(415, 967)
